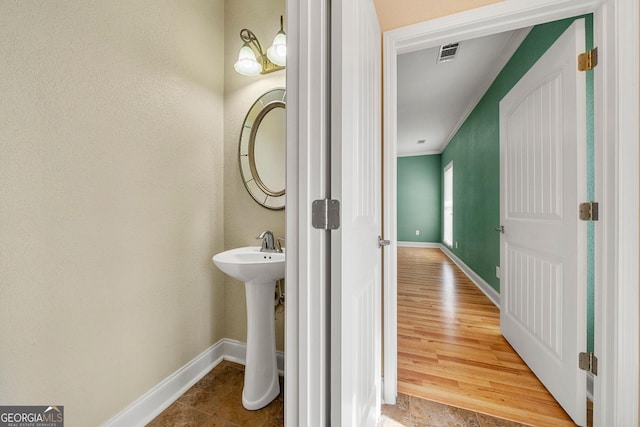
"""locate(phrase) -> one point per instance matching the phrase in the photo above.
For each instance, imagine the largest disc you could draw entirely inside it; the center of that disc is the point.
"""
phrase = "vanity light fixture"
(253, 61)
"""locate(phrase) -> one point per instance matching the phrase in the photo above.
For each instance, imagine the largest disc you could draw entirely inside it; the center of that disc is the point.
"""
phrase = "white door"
(356, 183)
(543, 248)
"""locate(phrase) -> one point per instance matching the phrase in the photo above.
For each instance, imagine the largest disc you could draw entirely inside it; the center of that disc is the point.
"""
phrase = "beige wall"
(392, 16)
(111, 190)
(244, 218)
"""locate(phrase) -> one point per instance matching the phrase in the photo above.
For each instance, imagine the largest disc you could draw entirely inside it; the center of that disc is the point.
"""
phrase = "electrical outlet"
(498, 271)
(456, 244)
(417, 232)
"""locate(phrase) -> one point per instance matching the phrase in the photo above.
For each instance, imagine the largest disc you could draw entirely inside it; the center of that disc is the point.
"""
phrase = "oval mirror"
(262, 149)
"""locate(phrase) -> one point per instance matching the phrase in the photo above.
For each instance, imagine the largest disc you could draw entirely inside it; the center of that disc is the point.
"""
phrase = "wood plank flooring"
(450, 349)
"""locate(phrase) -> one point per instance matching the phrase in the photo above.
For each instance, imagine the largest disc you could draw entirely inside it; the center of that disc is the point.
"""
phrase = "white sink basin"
(259, 272)
(248, 264)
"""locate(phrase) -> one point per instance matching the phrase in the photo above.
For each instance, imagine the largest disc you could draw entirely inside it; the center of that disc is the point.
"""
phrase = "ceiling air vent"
(447, 52)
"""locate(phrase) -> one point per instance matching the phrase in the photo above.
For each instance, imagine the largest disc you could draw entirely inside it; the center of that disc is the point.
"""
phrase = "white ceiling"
(434, 99)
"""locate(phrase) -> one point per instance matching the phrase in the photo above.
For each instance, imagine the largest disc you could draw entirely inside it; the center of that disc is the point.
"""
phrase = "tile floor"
(411, 411)
(216, 401)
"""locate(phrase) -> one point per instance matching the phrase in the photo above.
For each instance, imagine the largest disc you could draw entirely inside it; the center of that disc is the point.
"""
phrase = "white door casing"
(616, 170)
(616, 187)
(307, 306)
(495, 18)
(356, 183)
(616, 138)
(543, 251)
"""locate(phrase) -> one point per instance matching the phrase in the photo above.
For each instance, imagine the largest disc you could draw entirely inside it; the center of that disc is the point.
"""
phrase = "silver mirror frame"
(264, 196)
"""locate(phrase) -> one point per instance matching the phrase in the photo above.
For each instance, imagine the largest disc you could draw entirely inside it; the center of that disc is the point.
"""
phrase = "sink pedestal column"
(261, 383)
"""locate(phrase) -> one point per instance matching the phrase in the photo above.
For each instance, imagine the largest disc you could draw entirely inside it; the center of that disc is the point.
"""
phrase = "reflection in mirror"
(268, 149)
(262, 150)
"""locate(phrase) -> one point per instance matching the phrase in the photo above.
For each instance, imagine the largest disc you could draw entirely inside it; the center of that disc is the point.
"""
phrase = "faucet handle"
(265, 235)
(278, 244)
(268, 243)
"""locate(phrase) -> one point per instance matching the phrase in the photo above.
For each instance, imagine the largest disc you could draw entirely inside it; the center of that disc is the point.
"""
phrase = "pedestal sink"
(259, 272)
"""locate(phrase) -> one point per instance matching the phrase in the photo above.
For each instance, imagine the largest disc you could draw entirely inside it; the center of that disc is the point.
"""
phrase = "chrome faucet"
(268, 242)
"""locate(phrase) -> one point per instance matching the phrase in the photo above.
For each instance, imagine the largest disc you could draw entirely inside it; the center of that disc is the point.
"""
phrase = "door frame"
(356, 239)
(307, 366)
(616, 82)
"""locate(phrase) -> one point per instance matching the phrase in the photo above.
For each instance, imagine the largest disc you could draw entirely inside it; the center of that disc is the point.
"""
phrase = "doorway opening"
(437, 33)
(473, 148)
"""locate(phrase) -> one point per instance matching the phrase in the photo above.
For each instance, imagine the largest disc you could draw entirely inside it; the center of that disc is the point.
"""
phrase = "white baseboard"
(159, 398)
(418, 245)
(236, 351)
(486, 288)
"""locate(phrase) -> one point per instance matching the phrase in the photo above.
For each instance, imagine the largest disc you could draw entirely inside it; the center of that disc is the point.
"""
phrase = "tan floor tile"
(431, 414)
(216, 401)
(231, 409)
(388, 422)
(399, 412)
(488, 421)
(179, 415)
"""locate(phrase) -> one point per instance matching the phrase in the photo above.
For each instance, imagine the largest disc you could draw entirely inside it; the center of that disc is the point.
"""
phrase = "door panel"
(534, 146)
(356, 182)
(543, 249)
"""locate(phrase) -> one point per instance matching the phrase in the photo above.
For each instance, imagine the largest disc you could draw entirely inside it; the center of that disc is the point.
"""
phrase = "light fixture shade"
(277, 53)
(247, 64)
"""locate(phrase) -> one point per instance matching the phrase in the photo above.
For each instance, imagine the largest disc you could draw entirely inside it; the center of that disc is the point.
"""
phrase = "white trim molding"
(486, 288)
(617, 329)
(419, 245)
(156, 400)
(307, 308)
(236, 351)
(420, 153)
(152, 403)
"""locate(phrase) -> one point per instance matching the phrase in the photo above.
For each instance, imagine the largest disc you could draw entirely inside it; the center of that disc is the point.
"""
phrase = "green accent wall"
(419, 198)
(475, 151)
(590, 189)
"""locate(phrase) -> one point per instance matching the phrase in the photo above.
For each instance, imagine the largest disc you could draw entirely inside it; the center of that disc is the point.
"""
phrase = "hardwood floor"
(450, 349)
